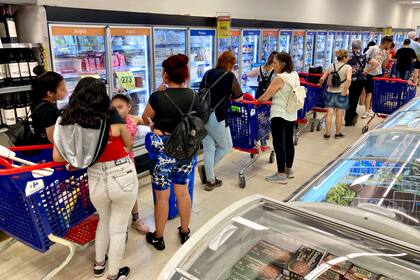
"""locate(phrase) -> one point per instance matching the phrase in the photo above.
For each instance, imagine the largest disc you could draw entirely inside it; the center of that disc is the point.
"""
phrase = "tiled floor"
(312, 153)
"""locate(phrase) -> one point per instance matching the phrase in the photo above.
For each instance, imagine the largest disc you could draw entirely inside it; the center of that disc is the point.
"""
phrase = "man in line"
(416, 47)
(405, 58)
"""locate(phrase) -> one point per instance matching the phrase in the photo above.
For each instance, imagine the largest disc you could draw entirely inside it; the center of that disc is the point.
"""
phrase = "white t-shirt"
(279, 104)
(342, 73)
(378, 54)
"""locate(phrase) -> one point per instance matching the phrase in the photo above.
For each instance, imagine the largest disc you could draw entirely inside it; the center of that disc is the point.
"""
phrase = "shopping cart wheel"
(272, 155)
(365, 129)
(252, 155)
(242, 181)
(312, 127)
(318, 127)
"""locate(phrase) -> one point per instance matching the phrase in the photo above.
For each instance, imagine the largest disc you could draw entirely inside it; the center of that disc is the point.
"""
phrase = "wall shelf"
(7, 90)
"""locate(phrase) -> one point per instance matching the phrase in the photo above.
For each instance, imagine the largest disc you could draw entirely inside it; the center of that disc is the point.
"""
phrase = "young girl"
(123, 105)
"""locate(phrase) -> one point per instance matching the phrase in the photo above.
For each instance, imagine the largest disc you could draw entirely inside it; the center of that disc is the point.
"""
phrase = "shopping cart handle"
(309, 74)
(5, 163)
(304, 83)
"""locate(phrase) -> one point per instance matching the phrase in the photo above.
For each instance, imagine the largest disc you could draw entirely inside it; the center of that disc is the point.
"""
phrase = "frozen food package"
(303, 261)
(330, 275)
(358, 273)
(340, 268)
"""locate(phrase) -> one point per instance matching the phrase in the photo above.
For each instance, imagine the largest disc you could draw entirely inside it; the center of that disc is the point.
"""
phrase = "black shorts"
(417, 64)
(369, 83)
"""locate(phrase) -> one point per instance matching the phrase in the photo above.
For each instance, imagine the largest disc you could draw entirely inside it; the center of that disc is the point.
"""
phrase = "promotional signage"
(203, 32)
(126, 79)
(223, 26)
(388, 31)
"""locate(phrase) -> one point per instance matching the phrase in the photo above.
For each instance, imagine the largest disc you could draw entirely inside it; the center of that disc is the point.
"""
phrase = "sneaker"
(183, 236)
(339, 136)
(140, 226)
(212, 185)
(289, 173)
(365, 116)
(158, 243)
(202, 174)
(99, 270)
(276, 178)
(123, 274)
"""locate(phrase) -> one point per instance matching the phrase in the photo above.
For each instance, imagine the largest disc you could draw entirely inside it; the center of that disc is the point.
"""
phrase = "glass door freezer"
(309, 49)
(259, 238)
(353, 37)
(298, 50)
(202, 54)
(330, 49)
(321, 48)
(250, 50)
(285, 41)
(167, 42)
(78, 51)
(232, 44)
(365, 39)
(131, 68)
(270, 42)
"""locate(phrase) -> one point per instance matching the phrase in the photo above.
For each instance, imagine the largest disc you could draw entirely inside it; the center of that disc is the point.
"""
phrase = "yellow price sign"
(223, 26)
(126, 80)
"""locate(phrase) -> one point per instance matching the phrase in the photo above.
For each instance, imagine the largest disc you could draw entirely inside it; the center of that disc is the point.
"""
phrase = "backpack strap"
(190, 111)
(217, 81)
(37, 107)
(271, 75)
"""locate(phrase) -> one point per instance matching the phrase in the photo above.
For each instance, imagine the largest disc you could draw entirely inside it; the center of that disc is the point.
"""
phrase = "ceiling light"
(415, 2)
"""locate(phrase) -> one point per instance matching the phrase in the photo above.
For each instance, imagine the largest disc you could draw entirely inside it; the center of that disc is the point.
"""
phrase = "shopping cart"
(249, 122)
(389, 95)
(313, 104)
(39, 210)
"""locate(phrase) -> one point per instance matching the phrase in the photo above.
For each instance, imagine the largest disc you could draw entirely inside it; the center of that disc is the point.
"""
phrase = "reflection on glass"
(269, 43)
(330, 49)
(285, 41)
(232, 44)
(201, 54)
(309, 49)
(321, 47)
(297, 50)
(250, 49)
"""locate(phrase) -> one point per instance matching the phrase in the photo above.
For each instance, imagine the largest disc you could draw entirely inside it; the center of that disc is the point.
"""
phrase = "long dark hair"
(286, 60)
(88, 105)
(44, 83)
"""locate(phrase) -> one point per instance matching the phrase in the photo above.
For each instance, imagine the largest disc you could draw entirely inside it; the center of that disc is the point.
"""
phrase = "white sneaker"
(365, 116)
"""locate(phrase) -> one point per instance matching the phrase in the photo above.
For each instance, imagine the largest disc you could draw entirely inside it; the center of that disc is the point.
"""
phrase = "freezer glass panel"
(407, 116)
(231, 44)
(269, 241)
(285, 41)
(378, 37)
(365, 39)
(381, 173)
(202, 52)
(399, 39)
(167, 42)
(250, 49)
(298, 50)
(131, 72)
(77, 52)
(309, 49)
(270, 41)
(320, 50)
(330, 49)
(354, 36)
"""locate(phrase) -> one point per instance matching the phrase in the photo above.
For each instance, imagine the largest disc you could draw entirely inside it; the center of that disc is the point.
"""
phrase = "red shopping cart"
(39, 208)
(249, 122)
(389, 94)
(313, 104)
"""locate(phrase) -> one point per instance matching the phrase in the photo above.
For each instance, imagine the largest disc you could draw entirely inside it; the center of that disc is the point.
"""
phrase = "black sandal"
(184, 236)
(339, 136)
(326, 136)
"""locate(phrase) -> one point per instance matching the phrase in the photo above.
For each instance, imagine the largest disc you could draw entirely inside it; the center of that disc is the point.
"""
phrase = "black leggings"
(282, 132)
(355, 91)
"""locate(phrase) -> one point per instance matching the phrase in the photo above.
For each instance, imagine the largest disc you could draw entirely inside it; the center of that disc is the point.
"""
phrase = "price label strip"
(96, 76)
(126, 80)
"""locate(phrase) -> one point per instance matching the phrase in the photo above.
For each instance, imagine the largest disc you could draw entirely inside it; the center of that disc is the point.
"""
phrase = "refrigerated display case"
(202, 54)
(250, 49)
(330, 49)
(321, 48)
(263, 239)
(167, 42)
(399, 38)
(270, 41)
(341, 42)
(77, 51)
(309, 49)
(354, 36)
(298, 50)
(407, 116)
(365, 39)
(285, 41)
(131, 53)
(378, 37)
(231, 44)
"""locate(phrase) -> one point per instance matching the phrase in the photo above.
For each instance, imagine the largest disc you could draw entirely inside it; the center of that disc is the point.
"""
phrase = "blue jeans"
(216, 144)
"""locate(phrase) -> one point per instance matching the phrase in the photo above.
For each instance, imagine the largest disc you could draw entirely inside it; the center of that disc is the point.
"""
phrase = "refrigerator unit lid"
(259, 238)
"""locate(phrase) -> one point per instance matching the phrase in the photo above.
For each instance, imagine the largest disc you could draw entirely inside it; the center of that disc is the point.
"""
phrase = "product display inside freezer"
(285, 41)
(269, 44)
(382, 172)
(231, 44)
(297, 50)
(330, 49)
(201, 54)
(268, 243)
(320, 49)
(250, 50)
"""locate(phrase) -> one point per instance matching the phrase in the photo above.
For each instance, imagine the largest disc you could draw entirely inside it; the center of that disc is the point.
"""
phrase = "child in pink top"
(122, 104)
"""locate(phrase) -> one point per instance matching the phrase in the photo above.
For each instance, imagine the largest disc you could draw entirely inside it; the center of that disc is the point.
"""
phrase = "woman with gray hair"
(357, 61)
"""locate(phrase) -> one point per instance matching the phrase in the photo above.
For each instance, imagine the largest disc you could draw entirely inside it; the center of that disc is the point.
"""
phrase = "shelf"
(170, 45)
(14, 89)
(128, 48)
(20, 46)
(78, 75)
(130, 68)
(200, 63)
(134, 90)
(3, 130)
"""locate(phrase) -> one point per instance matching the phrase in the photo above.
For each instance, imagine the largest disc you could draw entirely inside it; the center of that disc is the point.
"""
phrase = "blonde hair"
(341, 54)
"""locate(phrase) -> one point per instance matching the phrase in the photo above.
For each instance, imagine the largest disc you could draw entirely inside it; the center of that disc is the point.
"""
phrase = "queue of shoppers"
(97, 133)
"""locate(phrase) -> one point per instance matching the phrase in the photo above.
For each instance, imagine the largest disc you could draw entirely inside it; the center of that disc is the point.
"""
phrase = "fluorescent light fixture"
(415, 2)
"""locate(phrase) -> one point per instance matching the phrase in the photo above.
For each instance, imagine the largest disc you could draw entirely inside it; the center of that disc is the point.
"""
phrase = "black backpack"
(204, 99)
(263, 83)
(185, 140)
(23, 133)
(335, 79)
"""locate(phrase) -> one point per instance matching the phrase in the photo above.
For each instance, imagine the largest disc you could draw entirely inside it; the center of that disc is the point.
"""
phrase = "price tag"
(126, 80)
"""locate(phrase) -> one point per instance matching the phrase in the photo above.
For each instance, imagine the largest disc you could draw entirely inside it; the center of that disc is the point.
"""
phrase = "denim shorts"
(166, 170)
(336, 100)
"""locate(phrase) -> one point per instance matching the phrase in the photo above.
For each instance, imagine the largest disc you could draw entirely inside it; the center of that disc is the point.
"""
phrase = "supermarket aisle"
(313, 152)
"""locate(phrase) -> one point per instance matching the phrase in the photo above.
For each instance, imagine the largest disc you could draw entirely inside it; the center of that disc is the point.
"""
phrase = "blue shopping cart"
(40, 209)
(249, 122)
(389, 94)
